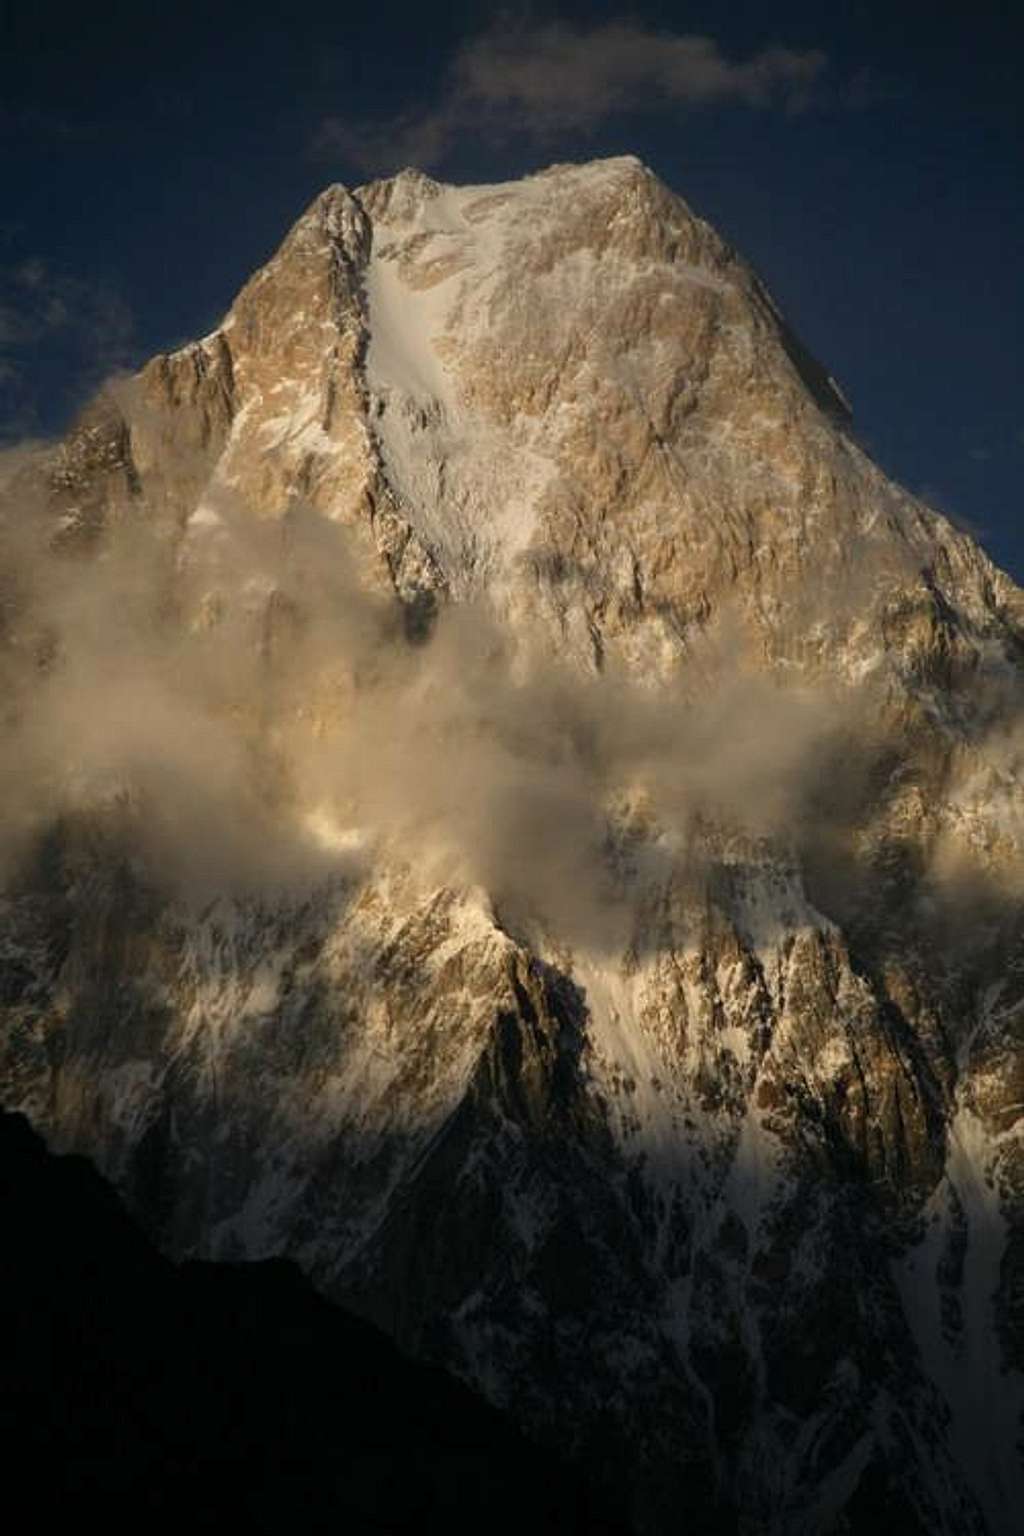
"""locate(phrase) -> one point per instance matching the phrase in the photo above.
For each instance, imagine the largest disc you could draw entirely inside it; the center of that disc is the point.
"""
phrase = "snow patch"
(960, 1347)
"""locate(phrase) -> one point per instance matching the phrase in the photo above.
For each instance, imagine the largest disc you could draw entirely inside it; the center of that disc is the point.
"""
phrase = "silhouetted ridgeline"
(139, 1393)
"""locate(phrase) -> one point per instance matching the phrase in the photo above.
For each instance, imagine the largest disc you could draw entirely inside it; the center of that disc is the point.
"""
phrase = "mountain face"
(512, 810)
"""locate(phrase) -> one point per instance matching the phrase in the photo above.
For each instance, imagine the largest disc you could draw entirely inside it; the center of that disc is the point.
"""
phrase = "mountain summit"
(511, 809)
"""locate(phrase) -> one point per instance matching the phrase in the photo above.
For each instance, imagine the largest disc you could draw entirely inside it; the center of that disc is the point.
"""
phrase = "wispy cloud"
(57, 330)
(202, 698)
(238, 714)
(552, 80)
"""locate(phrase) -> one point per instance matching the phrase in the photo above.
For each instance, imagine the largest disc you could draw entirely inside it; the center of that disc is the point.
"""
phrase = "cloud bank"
(240, 713)
(229, 707)
(552, 80)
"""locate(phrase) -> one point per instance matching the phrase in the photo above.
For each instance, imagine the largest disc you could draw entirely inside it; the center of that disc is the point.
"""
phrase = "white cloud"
(555, 79)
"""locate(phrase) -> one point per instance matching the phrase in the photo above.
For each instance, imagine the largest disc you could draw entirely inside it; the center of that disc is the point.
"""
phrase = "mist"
(240, 704)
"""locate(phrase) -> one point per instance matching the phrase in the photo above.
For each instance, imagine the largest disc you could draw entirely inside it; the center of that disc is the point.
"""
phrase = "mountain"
(509, 808)
(209, 1393)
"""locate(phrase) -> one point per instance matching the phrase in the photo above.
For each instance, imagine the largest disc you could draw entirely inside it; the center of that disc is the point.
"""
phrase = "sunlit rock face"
(702, 1152)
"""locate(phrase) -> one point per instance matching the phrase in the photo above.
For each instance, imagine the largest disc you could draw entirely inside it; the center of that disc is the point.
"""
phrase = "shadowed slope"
(141, 1392)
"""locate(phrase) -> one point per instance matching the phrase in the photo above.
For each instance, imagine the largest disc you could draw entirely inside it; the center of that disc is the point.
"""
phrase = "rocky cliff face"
(668, 1087)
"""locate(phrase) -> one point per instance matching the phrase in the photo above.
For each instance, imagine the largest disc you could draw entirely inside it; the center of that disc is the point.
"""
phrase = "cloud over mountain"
(546, 80)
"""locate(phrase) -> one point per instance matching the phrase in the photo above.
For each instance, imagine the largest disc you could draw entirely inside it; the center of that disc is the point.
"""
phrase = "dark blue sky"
(149, 163)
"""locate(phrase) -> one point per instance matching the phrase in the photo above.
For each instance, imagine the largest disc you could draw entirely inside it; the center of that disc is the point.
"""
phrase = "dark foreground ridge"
(134, 1391)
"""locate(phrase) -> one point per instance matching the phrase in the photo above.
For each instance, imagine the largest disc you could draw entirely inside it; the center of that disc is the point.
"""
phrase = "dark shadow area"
(228, 1396)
